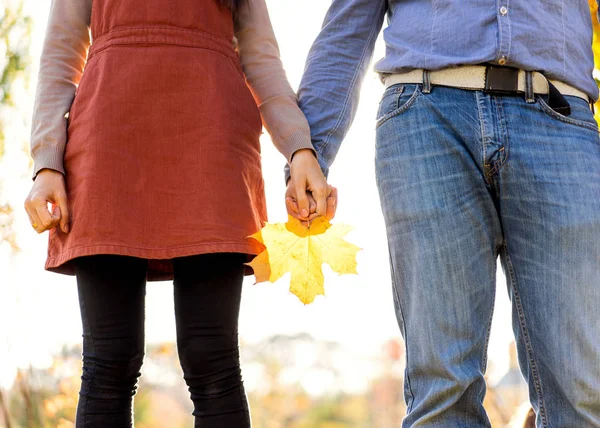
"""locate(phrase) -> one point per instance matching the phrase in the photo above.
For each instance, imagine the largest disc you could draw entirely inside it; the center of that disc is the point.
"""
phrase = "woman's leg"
(111, 296)
(207, 303)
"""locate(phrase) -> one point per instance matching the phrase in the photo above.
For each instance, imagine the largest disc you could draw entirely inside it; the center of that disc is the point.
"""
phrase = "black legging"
(207, 292)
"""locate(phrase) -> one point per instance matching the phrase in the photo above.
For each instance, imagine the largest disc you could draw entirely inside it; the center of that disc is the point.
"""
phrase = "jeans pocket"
(396, 100)
(581, 114)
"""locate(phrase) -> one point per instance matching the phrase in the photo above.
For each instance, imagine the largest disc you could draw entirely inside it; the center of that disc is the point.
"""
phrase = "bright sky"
(39, 311)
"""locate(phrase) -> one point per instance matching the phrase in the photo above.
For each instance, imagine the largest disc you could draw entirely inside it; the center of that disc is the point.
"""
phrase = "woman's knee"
(111, 378)
(211, 369)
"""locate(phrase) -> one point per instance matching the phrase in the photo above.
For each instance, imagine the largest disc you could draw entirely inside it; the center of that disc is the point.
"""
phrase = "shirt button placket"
(503, 28)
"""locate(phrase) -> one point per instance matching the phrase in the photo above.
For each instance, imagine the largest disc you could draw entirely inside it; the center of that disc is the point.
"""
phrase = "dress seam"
(157, 249)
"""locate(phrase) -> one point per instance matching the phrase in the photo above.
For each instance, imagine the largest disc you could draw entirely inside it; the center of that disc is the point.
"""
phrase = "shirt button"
(503, 10)
(502, 60)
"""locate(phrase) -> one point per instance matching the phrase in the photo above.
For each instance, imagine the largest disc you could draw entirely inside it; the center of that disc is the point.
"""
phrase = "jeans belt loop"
(529, 94)
(426, 82)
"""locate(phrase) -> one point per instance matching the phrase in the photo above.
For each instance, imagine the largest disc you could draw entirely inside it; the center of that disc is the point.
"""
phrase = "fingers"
(292, 208)
(63, 211)
(319, 190)
(48, 187)
(39, 216)
(48, 220)
(312, 204)
(35, 222)
(303, 202)
(321, 197)
(332, 203)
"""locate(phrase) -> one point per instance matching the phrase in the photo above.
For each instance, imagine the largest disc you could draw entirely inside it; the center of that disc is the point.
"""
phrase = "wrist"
(303, 153)
(47, 172)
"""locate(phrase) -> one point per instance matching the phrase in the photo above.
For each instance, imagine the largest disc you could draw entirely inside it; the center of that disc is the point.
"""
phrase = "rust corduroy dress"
(162, 158)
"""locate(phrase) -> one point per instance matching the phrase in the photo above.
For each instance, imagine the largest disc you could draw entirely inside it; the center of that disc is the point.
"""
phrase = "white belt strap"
(472, 77)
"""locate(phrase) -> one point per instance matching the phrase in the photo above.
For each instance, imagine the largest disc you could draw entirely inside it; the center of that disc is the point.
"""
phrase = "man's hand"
(49, 186)
(308, 195)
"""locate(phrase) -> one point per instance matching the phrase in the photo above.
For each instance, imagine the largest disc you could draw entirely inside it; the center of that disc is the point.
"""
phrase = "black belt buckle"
(501, 80)
(505, 81)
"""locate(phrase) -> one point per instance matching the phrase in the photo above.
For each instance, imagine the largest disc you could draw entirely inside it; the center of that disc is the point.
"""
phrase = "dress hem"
(61, 263)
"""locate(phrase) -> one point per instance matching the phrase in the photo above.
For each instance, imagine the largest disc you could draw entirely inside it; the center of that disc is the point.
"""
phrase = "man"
(476, 158)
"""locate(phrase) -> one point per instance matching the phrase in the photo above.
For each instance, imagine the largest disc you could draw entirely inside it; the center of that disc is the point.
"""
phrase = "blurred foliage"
(47, 398)
(15, 39)
(7, 232)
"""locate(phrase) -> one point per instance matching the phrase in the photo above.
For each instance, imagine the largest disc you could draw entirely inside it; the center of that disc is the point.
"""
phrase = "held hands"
(49, 186)
(308, 195)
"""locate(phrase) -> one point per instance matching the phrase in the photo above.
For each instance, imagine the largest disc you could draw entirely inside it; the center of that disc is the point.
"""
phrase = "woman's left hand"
(308, 195)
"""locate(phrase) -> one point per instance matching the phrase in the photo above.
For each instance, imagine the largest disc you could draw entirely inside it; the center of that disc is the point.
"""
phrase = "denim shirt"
(551, 36)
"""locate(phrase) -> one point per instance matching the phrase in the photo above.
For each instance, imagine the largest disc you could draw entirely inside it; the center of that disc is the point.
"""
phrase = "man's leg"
(550, 210)
(443, 233)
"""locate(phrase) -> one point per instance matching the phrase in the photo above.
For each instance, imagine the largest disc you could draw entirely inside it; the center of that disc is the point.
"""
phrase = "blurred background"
(337, 363)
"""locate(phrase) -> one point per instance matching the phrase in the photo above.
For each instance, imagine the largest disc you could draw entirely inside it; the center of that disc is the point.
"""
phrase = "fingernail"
(304, 212)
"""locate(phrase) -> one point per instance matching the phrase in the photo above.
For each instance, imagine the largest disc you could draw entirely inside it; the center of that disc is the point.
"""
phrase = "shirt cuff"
(50, 158)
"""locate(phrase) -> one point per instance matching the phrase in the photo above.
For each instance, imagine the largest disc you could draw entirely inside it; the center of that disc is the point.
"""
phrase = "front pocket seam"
(579, 123)
(400, 109)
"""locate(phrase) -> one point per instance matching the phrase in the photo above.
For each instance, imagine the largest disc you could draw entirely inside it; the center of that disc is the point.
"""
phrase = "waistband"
(162, 35)
(473, 77)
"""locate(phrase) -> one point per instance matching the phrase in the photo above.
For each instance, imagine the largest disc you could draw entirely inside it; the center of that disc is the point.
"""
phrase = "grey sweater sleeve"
(63, 58)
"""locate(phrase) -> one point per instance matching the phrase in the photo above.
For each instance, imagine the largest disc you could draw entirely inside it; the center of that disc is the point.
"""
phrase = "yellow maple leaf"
(293, 247)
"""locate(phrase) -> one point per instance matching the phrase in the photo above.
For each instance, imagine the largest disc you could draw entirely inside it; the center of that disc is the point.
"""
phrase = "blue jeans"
(465, 177)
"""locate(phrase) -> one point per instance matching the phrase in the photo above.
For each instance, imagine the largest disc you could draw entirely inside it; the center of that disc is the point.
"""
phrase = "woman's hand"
(308, 195)
(49, 186)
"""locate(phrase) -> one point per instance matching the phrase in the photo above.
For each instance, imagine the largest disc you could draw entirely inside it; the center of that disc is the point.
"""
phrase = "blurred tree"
(4, 411)
(15, 39)
(48, 397)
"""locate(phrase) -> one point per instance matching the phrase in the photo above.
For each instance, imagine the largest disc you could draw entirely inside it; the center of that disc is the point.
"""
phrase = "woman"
(147, 147)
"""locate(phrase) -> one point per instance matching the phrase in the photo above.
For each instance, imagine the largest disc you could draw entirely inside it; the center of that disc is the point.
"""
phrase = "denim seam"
(528, 347)
(489, 324)
(413, 98)
(482, 134)
(504, 137)
(553, 114)
(327, 139)
(397, 295)
(396, 91)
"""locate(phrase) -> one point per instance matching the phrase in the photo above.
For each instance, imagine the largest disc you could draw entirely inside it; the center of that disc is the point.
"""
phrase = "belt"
(502, 80)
